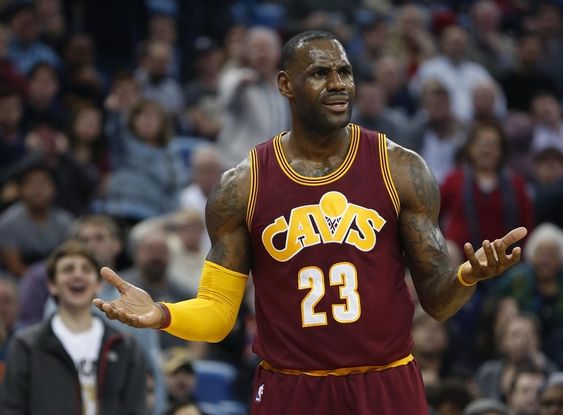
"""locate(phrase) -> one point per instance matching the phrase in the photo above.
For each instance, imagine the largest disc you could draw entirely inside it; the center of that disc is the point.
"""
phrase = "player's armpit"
(212, 315)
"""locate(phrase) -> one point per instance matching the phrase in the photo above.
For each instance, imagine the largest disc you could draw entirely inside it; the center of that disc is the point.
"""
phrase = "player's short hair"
(290, 47)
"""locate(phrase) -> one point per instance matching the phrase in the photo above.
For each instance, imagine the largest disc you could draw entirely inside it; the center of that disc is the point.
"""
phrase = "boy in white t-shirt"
(74, 363)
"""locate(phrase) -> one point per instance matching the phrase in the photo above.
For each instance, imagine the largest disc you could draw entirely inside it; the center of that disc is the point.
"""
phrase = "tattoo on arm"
(425, 247)
(225, 217)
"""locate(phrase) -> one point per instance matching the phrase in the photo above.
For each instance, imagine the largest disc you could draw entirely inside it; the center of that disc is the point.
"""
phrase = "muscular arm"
(225, 217)
(438, 285)
(434, 278)
(211, 315)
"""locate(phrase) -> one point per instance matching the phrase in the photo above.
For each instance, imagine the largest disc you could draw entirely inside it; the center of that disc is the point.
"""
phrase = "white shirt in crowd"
(84, 349)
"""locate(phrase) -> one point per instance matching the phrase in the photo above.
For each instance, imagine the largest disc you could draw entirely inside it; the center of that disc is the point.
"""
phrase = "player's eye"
(319, 73)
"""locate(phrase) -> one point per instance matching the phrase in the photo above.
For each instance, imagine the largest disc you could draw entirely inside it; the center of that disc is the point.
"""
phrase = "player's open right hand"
(135, 307)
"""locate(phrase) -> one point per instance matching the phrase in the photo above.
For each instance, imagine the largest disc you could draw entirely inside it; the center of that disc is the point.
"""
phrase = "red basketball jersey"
(328, 264)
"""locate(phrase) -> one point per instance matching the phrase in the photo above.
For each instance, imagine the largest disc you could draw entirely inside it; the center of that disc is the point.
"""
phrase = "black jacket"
(41, 378)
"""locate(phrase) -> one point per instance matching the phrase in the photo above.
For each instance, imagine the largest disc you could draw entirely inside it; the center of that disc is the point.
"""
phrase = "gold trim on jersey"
(386, 172)
(319, 181)
(344, 371)
(253, 187)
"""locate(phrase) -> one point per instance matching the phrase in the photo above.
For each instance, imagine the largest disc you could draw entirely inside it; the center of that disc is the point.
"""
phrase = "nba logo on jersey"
(259, 393)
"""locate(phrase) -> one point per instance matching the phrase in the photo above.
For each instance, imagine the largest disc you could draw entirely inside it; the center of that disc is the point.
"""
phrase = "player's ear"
(284, 84)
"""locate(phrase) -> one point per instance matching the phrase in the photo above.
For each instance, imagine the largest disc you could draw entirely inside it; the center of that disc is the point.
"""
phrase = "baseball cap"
(177, 358)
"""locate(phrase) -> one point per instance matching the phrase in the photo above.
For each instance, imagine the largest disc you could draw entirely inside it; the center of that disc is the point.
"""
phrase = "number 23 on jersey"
(341, 274)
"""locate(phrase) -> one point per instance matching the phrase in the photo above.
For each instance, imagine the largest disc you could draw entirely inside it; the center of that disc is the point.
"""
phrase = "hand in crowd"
(492, 259)
(135, 307)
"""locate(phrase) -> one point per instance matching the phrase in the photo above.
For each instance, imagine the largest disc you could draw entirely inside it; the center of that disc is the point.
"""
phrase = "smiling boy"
(73, 363)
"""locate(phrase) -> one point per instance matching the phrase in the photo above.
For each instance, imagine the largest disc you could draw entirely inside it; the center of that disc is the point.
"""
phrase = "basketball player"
(326, 217)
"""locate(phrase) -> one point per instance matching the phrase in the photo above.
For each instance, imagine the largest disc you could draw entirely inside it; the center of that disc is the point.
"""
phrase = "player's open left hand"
(492, 259)
(135, 307)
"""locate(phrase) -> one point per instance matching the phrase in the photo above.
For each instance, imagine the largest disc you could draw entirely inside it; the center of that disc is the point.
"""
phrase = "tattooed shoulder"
(415, 182)
(227, 203)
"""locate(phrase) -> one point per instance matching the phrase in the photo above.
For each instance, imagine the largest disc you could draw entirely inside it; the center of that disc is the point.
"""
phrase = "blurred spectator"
(84, 87)
(31, 228)
(102, 236)
(548, 168)
(374, 36)
(180, 375)
(482, 200)
(146, 178)
(75, 183)
(548, 130)
(526, 78)
(52, 22)
(484, 96)
(430, 344)
(371, 111)
(493, 316)
(537, 283)
(449, 397)
(410, 41)
(254, 110)
(202, 117)
(11, 136)
(549, 28)
(390, 75)
(8, 72)
(489, 45)
(73, 351)
(548, 197)
(79, 50)
(235, 40)
(155, 82)
(519, 344)
(435, 132)
(551, 397)
(25, 49)
(88, 144)
(85, 82)
(163, 28)
(453, 68)
(9, 308)
(124, 94)
(151, 272)
(42, 98)
(184, 230)
(523, 396)
(484, 406)
(206, 170)
(316, 14)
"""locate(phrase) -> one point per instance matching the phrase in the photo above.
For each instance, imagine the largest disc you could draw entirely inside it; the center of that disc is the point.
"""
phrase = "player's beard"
(315, 117)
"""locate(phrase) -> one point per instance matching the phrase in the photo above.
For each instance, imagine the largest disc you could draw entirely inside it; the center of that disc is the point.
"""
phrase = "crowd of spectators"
(117, 119)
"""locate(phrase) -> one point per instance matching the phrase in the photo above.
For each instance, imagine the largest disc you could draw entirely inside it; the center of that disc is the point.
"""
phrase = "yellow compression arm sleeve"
(211, 315)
